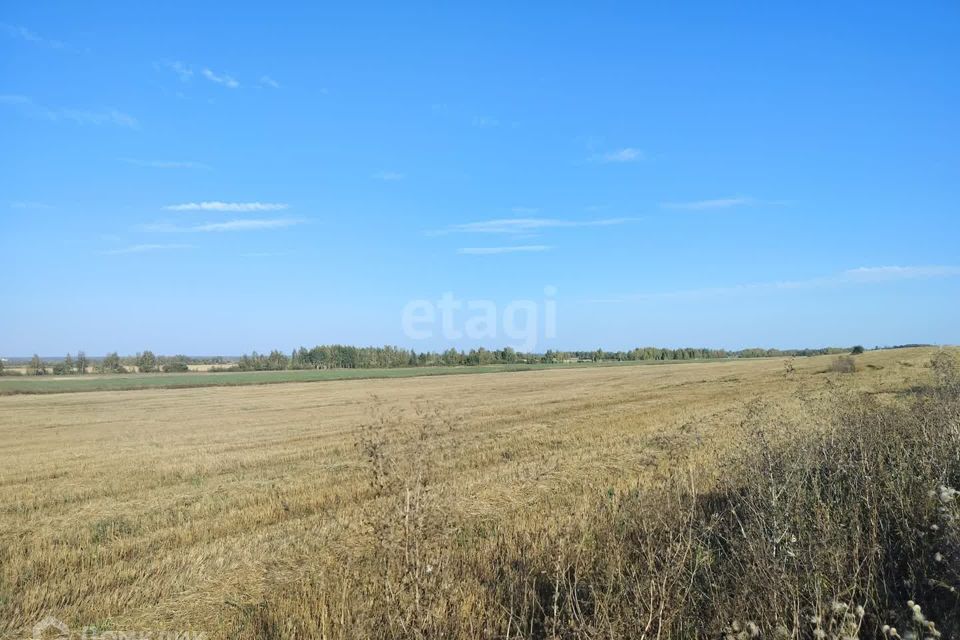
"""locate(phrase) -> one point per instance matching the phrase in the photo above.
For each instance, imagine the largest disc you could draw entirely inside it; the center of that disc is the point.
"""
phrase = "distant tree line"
(337, 356)
(67, 366)
(349, 357)
(143, 362)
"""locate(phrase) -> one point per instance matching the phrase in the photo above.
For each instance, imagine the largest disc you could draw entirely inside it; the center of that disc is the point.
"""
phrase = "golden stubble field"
(177, 509)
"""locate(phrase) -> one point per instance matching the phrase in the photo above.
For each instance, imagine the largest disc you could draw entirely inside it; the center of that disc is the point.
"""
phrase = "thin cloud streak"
(183, 71)
(722, 203)
(229, 225)
(267, 81)
(247, 225)
(627, 154)
(166, 164)
(850, 277)
(389, 176)
(216, 205)
(488, 251)
(21, 32)
(224, 79)
(718, 203)
(889, 274)
(31, 109)
(106, 116)
(186, 72)
(526, 225)
(144, 248)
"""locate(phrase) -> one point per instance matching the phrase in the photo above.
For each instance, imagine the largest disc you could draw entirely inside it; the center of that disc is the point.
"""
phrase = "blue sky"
(191, 179)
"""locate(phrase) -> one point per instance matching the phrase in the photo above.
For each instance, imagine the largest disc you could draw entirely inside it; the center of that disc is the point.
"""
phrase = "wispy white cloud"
(216, 205)
(487, 251)
(229, 225)
(183, 71)
(267, 81)
(224, 79)
(108, 116)
(850, 277)
(717, 203)
(21, 32)
(186, 72)
(627, 154)
(893, 273)
(527, 225)
(389, 176)
(143, 248)
(166, 164)
(247, 225)
(721, 203)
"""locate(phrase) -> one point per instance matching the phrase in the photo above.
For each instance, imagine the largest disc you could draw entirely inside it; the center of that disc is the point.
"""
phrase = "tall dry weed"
(850, 529)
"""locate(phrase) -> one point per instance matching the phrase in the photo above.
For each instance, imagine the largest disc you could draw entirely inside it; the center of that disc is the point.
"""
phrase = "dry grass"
(843, 364)
(358, 508)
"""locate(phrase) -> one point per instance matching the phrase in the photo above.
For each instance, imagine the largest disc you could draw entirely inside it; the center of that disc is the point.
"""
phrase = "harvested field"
(185, 508)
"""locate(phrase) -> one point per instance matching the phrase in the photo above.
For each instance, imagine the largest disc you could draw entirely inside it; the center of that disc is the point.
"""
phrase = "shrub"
(175, 367)
(857, 350)
(835, 532)
(843, 364)
(146, 362)
(110, 363)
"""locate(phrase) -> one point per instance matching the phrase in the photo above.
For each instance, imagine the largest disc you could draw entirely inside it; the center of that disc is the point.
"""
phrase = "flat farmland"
(185, 508)
(199, 378)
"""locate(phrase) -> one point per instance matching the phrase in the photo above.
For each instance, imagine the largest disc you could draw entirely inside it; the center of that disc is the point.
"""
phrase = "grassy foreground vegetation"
(735, 499)
(850, 529)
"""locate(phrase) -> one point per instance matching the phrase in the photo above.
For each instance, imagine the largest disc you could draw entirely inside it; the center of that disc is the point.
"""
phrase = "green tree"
(146, 362)
(857, 350)
(82, 362)
(277, 361)
(64, 367)
(37, 366)
(111, 363)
